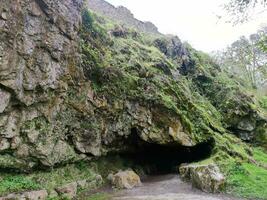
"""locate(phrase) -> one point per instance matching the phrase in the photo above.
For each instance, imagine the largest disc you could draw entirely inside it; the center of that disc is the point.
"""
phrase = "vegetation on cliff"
(190, 86)
(105, 89)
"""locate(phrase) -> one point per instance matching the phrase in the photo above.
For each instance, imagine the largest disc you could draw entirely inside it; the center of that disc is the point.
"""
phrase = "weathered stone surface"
(4, 100)
(31, 195)
(121, 14)
(125, 179)
(4, 144)
(68, 190)
(82, 184)
(36, 195)
(246, 125)
(205, 177)
(36, 44)
(10, 128)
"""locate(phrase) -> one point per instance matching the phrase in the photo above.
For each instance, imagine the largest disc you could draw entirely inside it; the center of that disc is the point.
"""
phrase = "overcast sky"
(194, 21)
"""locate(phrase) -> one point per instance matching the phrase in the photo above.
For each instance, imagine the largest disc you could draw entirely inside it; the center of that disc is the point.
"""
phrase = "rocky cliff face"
(37, 50)
(72, 90)
(121, 14)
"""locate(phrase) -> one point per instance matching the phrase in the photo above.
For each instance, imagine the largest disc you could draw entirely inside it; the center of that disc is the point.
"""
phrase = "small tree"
(241, 10)
(246, 58)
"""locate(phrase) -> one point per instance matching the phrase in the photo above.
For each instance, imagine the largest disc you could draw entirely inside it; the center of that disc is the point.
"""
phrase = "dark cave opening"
(158, 159)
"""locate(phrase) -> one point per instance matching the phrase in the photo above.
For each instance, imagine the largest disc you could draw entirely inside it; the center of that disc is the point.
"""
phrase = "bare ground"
(166, 187)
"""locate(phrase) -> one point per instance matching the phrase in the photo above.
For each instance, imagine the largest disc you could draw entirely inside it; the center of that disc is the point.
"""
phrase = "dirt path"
(167, 187)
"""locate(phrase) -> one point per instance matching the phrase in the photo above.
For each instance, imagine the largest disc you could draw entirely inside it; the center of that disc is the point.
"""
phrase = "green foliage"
(50, 179)
(248, 180)
(87, 20)
(17, 183)
(263, 102)
(93, 44)
(245, 59)
(63, 175)
(90, 27)
(260, 155)
(263, 43)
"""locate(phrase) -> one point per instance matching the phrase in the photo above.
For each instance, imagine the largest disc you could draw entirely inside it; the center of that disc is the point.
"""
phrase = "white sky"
(194, 21)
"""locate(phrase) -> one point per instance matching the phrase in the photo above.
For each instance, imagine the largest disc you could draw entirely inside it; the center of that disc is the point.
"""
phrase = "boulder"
(125, 179)
(53, 194)
(36, 195)
(82, 184)
(68, 190)
(208, 177)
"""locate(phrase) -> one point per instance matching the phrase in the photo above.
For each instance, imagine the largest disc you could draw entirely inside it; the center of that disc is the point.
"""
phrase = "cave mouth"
(157, 159)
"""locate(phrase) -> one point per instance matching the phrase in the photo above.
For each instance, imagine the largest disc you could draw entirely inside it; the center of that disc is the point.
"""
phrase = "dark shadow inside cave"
(162, 159)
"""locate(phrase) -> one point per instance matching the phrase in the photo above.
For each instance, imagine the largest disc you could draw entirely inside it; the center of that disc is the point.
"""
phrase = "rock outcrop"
(206, 177)
(121, 14)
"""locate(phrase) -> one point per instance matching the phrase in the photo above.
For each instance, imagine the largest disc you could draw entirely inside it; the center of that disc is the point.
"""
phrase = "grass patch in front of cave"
(247, 179)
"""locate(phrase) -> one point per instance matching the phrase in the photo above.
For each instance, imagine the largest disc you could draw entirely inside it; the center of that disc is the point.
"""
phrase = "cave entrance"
(158, 159)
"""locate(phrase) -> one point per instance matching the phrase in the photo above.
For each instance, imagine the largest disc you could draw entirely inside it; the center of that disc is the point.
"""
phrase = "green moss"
(8, 161)
(38, 123)
(136, 70)
(63, 175)
(260, 156)
(248, 180)
(205, 99)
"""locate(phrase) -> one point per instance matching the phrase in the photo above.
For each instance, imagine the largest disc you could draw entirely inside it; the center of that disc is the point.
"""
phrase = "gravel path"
(167, 187)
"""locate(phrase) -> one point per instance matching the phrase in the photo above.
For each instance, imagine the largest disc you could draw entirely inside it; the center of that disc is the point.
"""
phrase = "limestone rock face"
(49, 113)
(121, 14)
(4, 100)
(38, 43)
(125, 179)
(205, 177)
